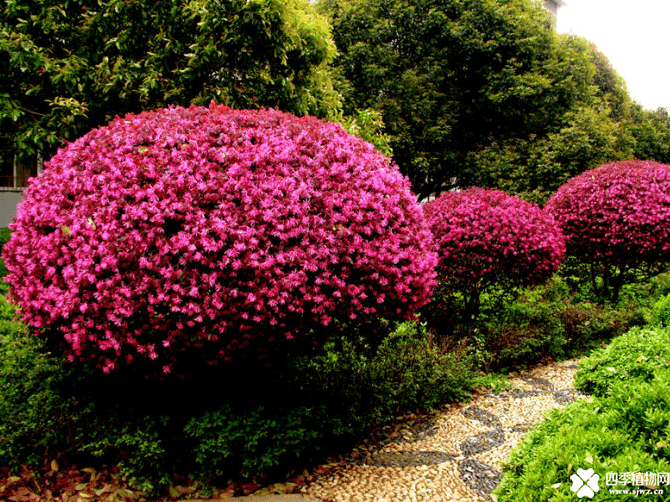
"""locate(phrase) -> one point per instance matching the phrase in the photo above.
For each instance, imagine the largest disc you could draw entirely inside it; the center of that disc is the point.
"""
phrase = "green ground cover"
(623, 433)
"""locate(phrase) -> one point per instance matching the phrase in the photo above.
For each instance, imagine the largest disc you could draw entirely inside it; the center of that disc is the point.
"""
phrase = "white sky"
(635, 37)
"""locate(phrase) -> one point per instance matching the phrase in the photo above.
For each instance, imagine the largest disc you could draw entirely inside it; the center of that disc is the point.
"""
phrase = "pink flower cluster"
(204, 228)
(617, 213)
(487, 237)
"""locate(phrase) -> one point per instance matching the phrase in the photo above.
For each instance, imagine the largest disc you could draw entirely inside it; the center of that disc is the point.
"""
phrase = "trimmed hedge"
(203, 233)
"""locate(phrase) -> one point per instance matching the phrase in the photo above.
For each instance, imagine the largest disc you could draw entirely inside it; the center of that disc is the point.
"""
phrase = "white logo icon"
(585, 483)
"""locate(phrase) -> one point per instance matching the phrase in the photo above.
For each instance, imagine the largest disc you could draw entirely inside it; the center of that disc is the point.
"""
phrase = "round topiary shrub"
(488, 238)
(207, 228)
(616, 219)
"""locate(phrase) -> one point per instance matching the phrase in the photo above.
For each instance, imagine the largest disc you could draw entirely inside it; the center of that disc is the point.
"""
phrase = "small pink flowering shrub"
(488, 238)
(616, 219)
(207, 228)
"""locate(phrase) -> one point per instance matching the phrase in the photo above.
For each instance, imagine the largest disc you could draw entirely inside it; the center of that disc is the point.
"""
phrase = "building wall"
(9, 199)
(553, 6)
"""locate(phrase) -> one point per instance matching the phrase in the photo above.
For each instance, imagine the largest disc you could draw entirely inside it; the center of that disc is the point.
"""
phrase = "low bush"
(544, 323)
(281, 419)
(37, 413)
(626, 431)
(520, 332)
(372, 385)
(636, 355)
(146, 449)
(659, 313)
(588, 325)
(257, 442)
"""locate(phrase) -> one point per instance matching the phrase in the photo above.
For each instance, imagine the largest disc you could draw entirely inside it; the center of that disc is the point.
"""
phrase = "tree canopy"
(461, 92)
(478, 92)
(67, 66)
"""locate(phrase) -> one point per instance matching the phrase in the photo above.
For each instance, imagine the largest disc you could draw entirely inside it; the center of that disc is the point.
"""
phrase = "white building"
(553, 6)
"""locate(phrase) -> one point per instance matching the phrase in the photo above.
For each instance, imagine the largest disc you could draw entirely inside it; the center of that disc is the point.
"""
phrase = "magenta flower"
(486, 237)
(206, 228)
(616, 218)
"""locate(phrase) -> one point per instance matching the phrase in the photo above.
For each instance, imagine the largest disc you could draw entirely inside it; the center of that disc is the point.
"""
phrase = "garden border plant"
(624, 429)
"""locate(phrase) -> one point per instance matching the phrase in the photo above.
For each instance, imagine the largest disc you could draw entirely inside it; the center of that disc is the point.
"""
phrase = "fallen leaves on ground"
(54, 483)
(70, 483)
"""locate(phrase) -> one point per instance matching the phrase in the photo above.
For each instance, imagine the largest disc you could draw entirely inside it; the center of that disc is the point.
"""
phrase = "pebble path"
(457, 456)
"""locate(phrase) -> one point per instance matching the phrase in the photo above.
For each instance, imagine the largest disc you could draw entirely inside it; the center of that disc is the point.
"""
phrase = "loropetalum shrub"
(616, 220)
(489, 238)
(208, 228)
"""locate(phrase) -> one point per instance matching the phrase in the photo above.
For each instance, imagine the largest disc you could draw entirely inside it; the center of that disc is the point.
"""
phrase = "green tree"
(610, 86)
(651, 131)
(592, 132)
(535, 167)
(456, 80)
(67, 66)
(368, 125)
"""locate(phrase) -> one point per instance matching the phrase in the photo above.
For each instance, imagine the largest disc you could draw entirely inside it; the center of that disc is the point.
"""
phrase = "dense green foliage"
(659, 313)
(623, 430)
(25, 388)
(5, 234)
(651, 130)
(636, 356)
(544, 323)
(65, 68)
(270, 423)
(480, 92)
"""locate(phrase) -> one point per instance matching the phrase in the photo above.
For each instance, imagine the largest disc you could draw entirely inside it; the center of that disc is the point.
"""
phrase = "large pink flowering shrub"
(616, 219)
(205, 228)
(488, 238)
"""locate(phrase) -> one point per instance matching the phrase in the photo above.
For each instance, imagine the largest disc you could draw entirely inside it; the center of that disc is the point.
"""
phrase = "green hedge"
(5, 234)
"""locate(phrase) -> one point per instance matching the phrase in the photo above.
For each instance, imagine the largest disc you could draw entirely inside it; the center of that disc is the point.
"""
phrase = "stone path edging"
(458, 456)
